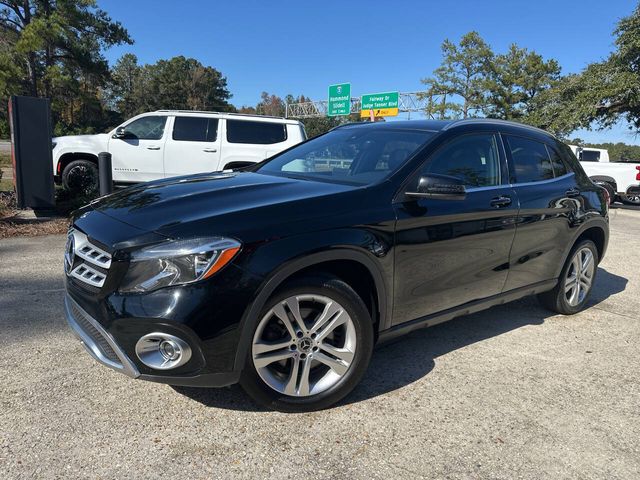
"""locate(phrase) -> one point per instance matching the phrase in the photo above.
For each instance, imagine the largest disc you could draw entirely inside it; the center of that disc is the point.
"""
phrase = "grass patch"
(6, 185)
(5, 159)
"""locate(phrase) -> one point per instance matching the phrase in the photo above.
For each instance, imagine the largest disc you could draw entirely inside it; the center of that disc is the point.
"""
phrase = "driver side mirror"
(442, 187)
(120, 133)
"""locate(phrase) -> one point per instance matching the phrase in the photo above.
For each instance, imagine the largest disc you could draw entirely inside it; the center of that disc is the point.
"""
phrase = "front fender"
(373, 251)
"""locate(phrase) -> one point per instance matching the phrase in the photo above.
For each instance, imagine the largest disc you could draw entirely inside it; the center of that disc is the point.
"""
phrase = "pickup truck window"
(260, 133)
(530, 159)
(195, 129)
(589, 156)
(146, 128)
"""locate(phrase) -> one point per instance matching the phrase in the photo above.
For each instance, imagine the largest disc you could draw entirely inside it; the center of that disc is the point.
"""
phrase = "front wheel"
(571, 293)
(81, 177)
(310, 346)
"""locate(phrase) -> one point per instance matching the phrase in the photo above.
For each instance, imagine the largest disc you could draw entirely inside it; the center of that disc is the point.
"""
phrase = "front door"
(138, 155)
(193, 146)
(453, 251)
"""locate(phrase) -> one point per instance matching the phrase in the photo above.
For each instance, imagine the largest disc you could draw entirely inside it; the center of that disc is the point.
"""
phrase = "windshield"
(358, 156)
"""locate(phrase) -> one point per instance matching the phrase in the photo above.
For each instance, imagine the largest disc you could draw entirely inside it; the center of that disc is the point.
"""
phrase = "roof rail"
(495, 121)
(223, 113)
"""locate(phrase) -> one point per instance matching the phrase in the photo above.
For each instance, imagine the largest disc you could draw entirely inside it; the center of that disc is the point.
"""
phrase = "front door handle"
(501, 201)
(153, 147)
(210, 150)
(572, 193)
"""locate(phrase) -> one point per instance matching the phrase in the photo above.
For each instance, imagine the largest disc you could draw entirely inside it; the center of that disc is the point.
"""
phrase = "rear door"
(137, 157)
(450, 252)
(550, 206)
(252, 141)
(193, 146)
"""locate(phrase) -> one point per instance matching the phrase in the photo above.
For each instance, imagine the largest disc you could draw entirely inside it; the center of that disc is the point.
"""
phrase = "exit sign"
(339, 100)
(383, 104)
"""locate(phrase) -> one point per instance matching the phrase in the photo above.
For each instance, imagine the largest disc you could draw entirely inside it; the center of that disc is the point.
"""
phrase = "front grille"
(86, 262)
(94, 334)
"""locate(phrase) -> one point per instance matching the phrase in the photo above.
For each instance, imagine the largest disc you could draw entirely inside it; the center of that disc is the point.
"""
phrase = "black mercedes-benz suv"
(283, 277)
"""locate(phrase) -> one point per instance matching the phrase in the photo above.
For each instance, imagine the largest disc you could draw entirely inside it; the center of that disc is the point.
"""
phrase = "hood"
(82, 140)
(220, 202)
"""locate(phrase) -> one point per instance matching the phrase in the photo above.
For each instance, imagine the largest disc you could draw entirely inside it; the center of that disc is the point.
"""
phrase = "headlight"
(177, 262)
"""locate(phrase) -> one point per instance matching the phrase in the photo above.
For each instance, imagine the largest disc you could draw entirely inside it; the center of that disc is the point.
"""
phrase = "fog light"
(162, 351)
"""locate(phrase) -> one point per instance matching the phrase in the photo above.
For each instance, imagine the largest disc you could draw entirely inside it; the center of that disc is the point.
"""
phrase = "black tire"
(338, 291)
(630, 199)
(556, 299)
(81, 177)
(610, 190)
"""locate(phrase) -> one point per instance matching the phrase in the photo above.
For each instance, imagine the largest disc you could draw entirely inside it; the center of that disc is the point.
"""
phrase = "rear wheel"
(81, 177)
(633, 199)
(571, 293)
(310, 346)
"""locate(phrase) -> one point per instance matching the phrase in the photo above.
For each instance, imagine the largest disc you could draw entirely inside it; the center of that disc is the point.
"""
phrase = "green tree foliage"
(603, 93)
(56, 47)
(462, 75)
(514, 81)
(178, 84)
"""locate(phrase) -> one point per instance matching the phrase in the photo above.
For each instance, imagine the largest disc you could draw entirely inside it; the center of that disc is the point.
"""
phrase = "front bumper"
(104, 348)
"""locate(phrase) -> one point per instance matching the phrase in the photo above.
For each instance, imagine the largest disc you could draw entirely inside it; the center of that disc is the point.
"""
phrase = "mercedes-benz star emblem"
(69, 253)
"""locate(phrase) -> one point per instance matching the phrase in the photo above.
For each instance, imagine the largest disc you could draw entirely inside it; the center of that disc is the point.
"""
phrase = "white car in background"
(168, 143)
(620, 179)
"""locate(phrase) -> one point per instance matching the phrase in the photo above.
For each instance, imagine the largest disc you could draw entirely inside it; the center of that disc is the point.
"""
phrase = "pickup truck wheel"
(630, 199)
(310, 346)
(610, 190)
(571, 293)
(81, 177)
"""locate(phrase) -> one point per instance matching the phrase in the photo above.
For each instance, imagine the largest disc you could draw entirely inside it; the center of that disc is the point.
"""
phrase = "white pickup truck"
(168, 143)
(621, 179)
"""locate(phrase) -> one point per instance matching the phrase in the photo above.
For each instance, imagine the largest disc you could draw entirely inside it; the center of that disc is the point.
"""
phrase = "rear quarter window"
(259, 133)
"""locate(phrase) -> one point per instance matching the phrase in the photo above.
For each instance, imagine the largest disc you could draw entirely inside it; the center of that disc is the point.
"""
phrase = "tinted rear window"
(530, 160)
(559, 167)
(589, 156)
(195, 129)
(262, 133)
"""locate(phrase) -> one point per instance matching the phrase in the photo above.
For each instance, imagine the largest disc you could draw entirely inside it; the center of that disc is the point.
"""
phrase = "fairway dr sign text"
(383, 104)
(339, 100)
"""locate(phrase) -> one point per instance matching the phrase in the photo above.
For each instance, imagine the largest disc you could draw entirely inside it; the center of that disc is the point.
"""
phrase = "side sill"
(466, 309)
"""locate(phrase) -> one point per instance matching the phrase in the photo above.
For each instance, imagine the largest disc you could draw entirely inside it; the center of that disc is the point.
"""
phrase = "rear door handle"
(501, 201)
(210, 150)
(572, 192)
(152, 147)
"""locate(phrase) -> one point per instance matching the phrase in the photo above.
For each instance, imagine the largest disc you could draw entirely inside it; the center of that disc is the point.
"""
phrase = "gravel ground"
(512, 392)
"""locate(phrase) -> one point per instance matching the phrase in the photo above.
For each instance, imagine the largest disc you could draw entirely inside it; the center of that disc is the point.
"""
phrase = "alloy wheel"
(579, 276)
(304, 345)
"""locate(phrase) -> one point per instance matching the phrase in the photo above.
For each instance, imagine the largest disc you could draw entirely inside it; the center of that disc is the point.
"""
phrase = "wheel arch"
(336, 262)
(596, 231)
(605, 179)
(66, 158)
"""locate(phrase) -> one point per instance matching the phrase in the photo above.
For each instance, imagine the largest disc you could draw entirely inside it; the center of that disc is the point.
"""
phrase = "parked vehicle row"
(283, 277)
(168, 143)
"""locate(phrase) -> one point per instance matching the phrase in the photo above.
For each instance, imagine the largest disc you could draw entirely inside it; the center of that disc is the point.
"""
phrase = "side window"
(261, 133)
(472, 158)
(195, 129)
(559, 167)
(146, 128)
(530, 160)
(589, 155)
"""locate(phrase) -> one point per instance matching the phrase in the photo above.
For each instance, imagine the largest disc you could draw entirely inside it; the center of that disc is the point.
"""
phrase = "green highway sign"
(339, 100)
(383, 104)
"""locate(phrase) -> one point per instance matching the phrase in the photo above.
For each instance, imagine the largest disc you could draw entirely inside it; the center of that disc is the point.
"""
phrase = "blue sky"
(301, 47)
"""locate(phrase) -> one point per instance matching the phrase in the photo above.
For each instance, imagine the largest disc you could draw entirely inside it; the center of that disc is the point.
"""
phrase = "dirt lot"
(512, 392)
